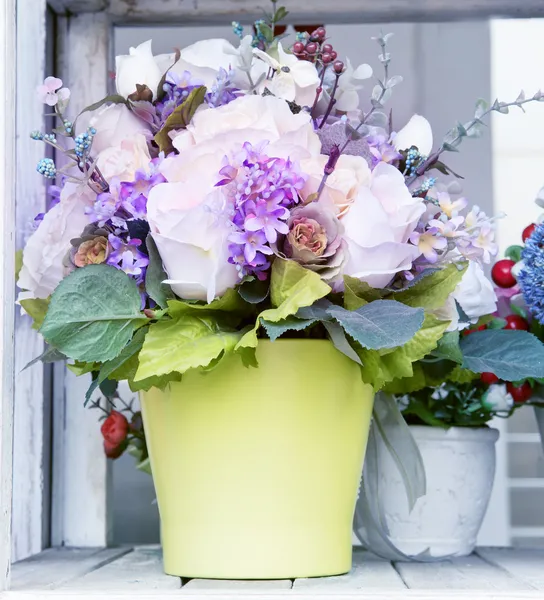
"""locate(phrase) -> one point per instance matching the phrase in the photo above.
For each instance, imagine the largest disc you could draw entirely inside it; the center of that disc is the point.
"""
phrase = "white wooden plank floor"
(491, 573)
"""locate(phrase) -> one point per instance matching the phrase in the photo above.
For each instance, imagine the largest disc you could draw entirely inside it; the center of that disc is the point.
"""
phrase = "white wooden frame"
(81, 474)
(7, 222)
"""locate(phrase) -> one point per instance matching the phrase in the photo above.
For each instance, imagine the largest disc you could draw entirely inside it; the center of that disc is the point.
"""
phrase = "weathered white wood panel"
(466, 573)
(56, 567)
(525, 565)
(29, 456)
(369, 572)
(140, 570)
(324, 11)
(237, 586)
(8, 53)
(81, 473)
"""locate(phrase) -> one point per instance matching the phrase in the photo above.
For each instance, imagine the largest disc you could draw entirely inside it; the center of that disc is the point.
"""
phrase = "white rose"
(378, 225)
(192, 239)
(140, 67)
(417, 132)
(189, 216)
(45, 250)
(113, 123)
(123, 160)
(475, 293)
(497, 398)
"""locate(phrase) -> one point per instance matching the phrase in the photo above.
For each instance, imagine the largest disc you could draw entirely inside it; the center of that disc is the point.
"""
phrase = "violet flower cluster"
(262, 191)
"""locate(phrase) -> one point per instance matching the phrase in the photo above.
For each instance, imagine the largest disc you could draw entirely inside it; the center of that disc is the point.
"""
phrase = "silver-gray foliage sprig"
(473, 128)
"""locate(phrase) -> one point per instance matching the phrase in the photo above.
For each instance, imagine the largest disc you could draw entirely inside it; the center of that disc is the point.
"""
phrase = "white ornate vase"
(460, 468)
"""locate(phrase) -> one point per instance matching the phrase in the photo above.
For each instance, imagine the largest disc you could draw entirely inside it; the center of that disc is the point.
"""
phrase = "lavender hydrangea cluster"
(531, 276)
(262, 191)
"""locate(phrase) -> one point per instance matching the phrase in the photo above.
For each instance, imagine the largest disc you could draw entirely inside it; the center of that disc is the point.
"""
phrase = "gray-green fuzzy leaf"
(93, 314)
(155, 275)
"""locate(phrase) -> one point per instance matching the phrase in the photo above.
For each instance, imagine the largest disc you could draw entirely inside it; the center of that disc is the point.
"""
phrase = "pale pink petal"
(52, 83)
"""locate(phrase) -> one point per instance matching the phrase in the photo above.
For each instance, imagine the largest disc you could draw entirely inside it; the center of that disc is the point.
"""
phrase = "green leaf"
(229, 302)
(93, 314)
(275, 330)
(291, 287)
(448, 347)
(340, 341)
(160, 382)
(112, 99)
(160, 88)
(155, 275)
(49, 355)
(187, 341)
(379, 369)
(267, 32)
(496, 323)
(422, 412)
(179, 119)
(36, 308)
(280, 14)
(114, 365)
(511, 355)
(380, 324)
(517, 310)
(82, 368)
(254, 291)
(514, 253)
(460, 375)
(358, 293)
(433, 291)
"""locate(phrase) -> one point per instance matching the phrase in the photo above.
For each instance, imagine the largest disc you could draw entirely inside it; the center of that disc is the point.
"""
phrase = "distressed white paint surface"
(8, 53)
(29, 456)
(237, 586)
(81, 478)
(466, 573)
(139, 570)
(56, 567)
(525, 565)
(368, 572)
(347, 11)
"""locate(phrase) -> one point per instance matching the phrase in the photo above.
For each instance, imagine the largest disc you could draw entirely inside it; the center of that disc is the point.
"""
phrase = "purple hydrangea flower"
(223, 90)
(177, 89)
(126, 257)
(134, 194)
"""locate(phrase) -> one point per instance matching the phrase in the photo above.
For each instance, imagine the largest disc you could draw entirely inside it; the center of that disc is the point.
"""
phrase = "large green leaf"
(380, 369)
(155, 275)
(229, 302)
(111, 366)
(36, 308)
(180, 118)
(187, 341)
(448, 347)
(291, 287)
(432, 291)
(93, 314)
(510, 355)
(380, 324)
(358, 293)
(275, 330)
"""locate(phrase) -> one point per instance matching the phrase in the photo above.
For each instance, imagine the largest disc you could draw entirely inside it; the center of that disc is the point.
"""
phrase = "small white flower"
(51, 92)
(497, 398)
(293, 79)
(417, 132)
(347, 97)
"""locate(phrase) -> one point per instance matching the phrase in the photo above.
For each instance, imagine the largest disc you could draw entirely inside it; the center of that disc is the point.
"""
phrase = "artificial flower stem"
(318, 91)
(331, 103)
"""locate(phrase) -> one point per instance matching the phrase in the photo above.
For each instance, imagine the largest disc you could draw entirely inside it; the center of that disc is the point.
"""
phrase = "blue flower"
(531, 277)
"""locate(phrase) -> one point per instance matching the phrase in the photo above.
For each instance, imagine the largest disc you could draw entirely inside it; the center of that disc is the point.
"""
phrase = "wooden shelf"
(137, 572)
(173, 12)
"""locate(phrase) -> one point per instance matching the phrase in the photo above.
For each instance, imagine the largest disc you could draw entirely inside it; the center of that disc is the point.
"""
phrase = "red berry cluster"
(503, 277)
(317, 49)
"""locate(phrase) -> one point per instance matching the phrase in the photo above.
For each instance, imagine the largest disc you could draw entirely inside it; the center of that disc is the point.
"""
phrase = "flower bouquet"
(256, 254)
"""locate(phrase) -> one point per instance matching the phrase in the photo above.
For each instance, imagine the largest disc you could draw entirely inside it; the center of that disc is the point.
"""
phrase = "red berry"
(311, 48)
(115, 428)
(528, 232)
(326, 48)
(326, 58)
(520, 393)
(466, 332)
(298, 47)
(502, 273)
(338, 67)
(489, 378)
(320, 32)
(334, 54)
(114, 451)
(516, 322)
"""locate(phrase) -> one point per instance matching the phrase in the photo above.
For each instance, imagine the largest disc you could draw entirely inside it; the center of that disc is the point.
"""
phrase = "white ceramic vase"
(460, 468)
(539, 413)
